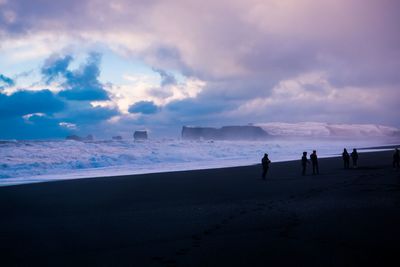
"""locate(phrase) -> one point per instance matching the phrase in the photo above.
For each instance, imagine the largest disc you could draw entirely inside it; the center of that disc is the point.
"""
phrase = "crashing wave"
(317, 129)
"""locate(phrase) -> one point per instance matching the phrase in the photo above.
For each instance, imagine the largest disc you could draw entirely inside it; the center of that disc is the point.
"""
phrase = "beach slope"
(218, 217)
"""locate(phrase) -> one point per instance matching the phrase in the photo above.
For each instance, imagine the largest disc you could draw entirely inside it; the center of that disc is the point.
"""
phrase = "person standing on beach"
(354, 158)
(265, 165)
(346, 159)
(396, 159)
(304, 162)
(314, 161)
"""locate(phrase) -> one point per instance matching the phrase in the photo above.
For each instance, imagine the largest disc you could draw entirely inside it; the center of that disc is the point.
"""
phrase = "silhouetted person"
(314, 162)
(396, 159)
(354, 157)
(346, 159)
(304, 162)
(265, 165)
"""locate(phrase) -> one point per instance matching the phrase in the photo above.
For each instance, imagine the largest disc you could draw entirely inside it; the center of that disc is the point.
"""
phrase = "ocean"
(50, 160)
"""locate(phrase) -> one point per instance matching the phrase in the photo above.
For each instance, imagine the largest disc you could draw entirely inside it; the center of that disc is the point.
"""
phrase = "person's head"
(314, 151)
(354, 150)
(304, 153)
(345, 150)
(265, 155)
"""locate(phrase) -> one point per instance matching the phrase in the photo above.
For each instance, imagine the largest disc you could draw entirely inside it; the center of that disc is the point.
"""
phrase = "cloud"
(313, 98)
(34, 127)
(268, 38)
(166, 78)
(44, 117)
(5, 81)
(26, 102)
(84, 114)
(144, 107)
(81, 84)
(197, 111)
(56, 67)
(252, 61)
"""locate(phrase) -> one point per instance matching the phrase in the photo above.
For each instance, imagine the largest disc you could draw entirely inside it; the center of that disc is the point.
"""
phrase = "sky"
(109, 68)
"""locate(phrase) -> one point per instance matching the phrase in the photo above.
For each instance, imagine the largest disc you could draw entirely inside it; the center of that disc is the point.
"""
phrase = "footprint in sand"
(207, 232)
(195, 244)
(196, 237)
(182, 251)
(217, 226)
(257, 209)
(262, 205)
(170, 263)
(157, 258)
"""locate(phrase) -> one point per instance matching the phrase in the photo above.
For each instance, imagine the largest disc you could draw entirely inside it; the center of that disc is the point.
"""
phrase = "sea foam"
(37, 161)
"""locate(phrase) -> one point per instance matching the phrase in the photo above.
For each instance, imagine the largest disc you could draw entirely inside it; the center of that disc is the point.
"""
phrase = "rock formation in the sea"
(79, 138)
(140, 135)
(248, 132)
(73, 137)
(117, 137)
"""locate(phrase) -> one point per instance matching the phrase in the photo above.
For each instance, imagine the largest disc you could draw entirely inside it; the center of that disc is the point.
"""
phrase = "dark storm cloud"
(56, 67)
(81, 84)
(166, 77)
(144, 107)
(35, 127)
(30, 114)
(242, 55)
(46, 111)
(87, 115)
(26, 102)
(196, 107)
(20, 16)
(40, 106)
(5, 81)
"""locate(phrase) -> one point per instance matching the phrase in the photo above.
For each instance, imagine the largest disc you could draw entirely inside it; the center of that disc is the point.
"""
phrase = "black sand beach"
(220, 217)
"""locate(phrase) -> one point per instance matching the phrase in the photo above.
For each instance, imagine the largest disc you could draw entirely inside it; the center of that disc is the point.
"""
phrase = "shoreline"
(75, 175)
(216, 217)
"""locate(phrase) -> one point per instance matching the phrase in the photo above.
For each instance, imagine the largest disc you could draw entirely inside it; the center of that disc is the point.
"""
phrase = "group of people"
(265, 161)
(396, 159)
(314, 162)
(346, 158)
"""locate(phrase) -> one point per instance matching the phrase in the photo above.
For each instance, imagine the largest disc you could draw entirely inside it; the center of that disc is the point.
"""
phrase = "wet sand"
(219, 217)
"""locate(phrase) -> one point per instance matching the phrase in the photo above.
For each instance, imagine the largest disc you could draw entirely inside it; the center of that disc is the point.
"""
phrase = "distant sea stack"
(78, 138)
(140, 135)
(225, 133)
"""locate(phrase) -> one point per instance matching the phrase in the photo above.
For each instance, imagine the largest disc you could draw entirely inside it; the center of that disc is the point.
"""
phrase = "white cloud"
(334, 60)
(311, 97)
(68, 125)
(143, 88)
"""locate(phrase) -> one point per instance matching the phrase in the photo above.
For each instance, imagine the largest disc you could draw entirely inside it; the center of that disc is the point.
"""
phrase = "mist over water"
(39, 161)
